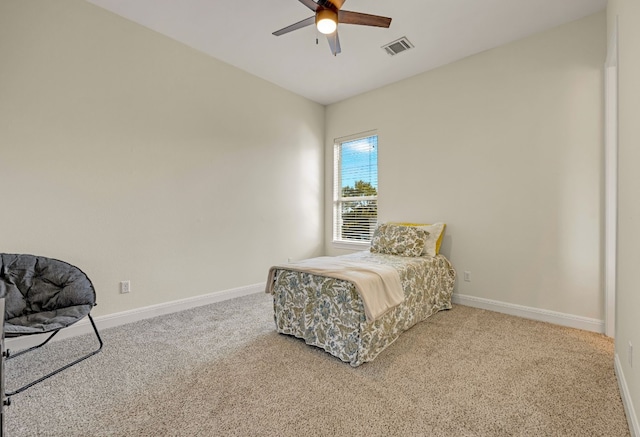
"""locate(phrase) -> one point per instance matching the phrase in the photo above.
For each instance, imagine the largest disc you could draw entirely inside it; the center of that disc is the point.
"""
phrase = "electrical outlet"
(467, 276)
(630, 354)
(125, 286)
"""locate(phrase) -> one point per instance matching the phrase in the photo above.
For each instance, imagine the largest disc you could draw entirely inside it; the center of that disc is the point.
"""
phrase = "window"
(355, 188)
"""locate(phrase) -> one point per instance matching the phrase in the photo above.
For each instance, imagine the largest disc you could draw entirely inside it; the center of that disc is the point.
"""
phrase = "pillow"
(434, 241)
(399, 240)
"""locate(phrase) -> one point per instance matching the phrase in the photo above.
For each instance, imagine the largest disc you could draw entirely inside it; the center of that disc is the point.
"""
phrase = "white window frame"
(337, 241)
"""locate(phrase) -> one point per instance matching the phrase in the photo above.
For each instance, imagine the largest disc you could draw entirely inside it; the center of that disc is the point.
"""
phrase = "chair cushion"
(42, 294)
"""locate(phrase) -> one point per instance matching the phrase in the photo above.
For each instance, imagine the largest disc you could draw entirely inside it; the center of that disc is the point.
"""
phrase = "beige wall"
(627, 295)
(506, 147)
(135, 157)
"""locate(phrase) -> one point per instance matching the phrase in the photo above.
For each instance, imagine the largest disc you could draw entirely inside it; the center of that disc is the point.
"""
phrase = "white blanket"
(378, 285)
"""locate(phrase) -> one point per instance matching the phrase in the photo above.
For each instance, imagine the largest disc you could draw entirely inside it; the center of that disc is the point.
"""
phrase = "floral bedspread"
(328, 313)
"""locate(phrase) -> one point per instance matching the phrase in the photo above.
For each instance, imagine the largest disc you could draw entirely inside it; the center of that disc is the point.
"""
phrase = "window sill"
(351, 245)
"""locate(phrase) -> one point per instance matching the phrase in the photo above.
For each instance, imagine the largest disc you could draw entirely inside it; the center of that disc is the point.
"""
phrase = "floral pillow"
(399, 240)
(436, 232)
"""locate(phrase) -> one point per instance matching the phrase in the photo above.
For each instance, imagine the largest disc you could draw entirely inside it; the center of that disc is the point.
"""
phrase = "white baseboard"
(578, 322)
(632, 419)
(124, 317)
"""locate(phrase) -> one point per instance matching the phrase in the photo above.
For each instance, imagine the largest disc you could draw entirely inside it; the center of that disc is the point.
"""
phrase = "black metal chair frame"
(8, 355)
(4, 400)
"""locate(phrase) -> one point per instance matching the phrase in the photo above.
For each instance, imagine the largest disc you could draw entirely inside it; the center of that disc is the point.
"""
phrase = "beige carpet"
(221, 370)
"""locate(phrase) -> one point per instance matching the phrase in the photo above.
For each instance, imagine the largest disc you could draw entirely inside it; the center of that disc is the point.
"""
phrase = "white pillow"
(431, 246)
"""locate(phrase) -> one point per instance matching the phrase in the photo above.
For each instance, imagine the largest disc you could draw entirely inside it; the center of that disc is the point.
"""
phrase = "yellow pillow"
(436, 231)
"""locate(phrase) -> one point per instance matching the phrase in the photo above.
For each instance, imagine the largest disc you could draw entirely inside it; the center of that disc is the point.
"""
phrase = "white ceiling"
(239, 32)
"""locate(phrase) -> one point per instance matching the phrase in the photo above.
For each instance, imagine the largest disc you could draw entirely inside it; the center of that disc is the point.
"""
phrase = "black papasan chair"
(43, 295)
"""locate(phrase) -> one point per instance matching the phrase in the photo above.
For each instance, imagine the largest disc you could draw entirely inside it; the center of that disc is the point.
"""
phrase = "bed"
(327, 310)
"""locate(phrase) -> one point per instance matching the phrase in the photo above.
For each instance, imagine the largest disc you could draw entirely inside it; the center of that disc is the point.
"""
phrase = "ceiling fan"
(328, 15)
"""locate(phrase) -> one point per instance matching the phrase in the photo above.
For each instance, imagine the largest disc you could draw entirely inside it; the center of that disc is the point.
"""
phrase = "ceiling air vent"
(398, 46)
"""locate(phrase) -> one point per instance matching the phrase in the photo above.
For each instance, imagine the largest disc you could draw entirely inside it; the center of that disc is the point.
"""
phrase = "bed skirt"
(328, 313)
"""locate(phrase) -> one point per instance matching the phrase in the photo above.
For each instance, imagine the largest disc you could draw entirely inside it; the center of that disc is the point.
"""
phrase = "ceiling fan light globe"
(326, 21)
(327, 26)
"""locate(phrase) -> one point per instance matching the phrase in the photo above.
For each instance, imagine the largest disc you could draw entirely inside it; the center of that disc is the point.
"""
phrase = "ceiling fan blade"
(334, 43)
(348, 17)
(300, 24)
(310, 4)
